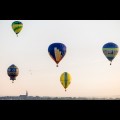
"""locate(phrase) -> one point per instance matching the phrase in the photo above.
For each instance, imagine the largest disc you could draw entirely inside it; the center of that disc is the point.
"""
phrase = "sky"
(92, 75)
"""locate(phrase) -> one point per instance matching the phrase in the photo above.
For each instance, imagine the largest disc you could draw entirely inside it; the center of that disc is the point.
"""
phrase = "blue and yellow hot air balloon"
(65, 79)
(13, 72)
(110, 50)
(17, 27)
(57, 51)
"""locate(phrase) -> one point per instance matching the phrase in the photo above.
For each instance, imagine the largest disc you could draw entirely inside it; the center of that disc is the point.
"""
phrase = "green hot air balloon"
(110, 50)
(17, 27)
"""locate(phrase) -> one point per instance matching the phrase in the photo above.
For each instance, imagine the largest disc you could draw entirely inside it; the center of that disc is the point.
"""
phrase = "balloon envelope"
(65, 79)
(57, 51)
(17, 26)
(13, 72)
(110, 50)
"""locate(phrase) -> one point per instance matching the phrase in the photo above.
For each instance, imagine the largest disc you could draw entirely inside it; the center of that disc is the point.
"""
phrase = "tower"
(26, 93)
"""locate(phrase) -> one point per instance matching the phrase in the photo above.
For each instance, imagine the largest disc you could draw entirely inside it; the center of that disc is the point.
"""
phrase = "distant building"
(24, 96)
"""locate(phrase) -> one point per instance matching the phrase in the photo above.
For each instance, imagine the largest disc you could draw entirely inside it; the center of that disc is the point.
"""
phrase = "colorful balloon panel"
(57, 51)
(65, 79)
(13, 72)
(17, 26)
(110, 50)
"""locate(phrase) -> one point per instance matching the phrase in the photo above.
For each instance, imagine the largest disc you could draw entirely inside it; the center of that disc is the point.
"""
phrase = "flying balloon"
(57, 51)
(110, 50)
(65, 80)
(13, 72)
(17, 27)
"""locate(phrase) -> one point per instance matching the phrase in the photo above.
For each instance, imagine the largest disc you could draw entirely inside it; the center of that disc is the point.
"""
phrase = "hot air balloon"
(65, 80)
(17, 27)
(110, 50)
(57, 51)
(13, 72)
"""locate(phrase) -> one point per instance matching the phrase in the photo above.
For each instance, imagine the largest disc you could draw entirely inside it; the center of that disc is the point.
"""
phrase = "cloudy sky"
(92, 75)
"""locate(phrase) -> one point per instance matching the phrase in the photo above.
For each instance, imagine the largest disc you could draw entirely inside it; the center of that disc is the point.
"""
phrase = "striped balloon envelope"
(17, 27)
(13, 72)
(65, 79)
(110, 50)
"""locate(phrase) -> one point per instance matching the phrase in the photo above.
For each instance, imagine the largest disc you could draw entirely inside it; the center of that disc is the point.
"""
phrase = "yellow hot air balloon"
(65, 80)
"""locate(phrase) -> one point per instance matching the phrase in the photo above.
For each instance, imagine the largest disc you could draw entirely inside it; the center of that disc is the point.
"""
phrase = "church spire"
(26, 93)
